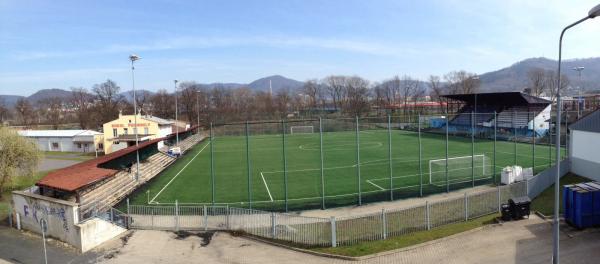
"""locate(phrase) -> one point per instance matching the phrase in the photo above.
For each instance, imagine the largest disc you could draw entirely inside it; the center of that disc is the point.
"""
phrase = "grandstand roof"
(589, 123)
(75, 177)
(502, 98)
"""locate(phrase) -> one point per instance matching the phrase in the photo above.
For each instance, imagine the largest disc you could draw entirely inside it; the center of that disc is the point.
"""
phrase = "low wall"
(63, 221)
(538, 183)
(60, 215)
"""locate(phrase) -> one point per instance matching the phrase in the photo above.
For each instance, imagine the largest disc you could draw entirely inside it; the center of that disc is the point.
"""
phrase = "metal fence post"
(527, 187)
(495, 136)
(473, 149)
(533, 136)
(322, 169)
(273, 224)
(176, 215)
(384, 223)
(447, 139)
(390, 158)
(212, 165)
(127, 206)
(248, 166)
(515, 135)
(333, 233)
(10, 216)
(285, 176)
(420, 157)
(427, 216)
(227, 223)
(499, 201)
(111, 215)
(205, 214)
(358, 162)
(466, 207)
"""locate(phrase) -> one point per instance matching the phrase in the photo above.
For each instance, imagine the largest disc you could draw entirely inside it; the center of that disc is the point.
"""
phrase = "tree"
(187, 100)
(52, 109)
(552, 84)
(19, 157)
(282, 101)
(462, 82)
(311, 90)
(25, 111)
(4, 111)
(336, 86)
(537, 81)
(357, 91)
(82, 101)
(162, 104)
(109, 101)
(437, 90)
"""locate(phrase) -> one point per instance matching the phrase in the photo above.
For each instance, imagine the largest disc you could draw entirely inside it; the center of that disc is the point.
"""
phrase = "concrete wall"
(96, 231)
(60, 215)
(585, 160)
(63, 221)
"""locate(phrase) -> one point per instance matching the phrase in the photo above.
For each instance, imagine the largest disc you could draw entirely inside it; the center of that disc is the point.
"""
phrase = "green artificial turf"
(189, 180)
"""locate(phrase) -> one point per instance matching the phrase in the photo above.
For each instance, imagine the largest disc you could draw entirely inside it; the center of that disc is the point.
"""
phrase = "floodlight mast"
(594, 12)
(133, 58)
(579, 88)
(176, 112)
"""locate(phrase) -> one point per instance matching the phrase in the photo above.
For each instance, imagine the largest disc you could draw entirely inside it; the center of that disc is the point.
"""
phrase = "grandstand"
(520, 113)
(98, 184)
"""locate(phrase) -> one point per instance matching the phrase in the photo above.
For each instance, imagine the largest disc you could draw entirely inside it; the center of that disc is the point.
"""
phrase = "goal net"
(460, 169)
(301, 129)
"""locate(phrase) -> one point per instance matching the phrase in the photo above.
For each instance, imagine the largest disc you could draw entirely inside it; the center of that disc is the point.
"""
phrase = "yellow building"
(120, 133)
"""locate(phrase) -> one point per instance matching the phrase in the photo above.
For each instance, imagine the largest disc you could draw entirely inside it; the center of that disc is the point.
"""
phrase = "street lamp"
(176, 112)
(197, 110)
(134, 58)
(594, 12)
(579, 70)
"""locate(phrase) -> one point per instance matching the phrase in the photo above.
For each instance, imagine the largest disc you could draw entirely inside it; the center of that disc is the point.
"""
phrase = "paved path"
(21, 247)
(526, 241)
(53, 164)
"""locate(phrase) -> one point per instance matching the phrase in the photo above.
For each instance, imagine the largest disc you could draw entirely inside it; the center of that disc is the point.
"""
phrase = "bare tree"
(109, 101)
(162, 103)
(552, 84)
(357, 90)
(52, 109)
(82, 101)
(437, 90)
(462, 82)
(282, 101)
(4, 111)
(25, 111)
(336, 86)
(537, 81)
(311, 90)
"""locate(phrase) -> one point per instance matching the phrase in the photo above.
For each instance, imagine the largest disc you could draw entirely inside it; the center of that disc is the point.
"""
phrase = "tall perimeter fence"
(331, 232)
(330, 162)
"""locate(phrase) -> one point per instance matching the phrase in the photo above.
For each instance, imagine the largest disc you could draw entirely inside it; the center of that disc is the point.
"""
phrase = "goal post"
(459, 169)
(302, 129)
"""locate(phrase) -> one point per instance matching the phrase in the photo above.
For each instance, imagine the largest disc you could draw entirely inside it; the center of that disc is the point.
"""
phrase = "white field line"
(168, 183)
(266, 186)
(381, 188)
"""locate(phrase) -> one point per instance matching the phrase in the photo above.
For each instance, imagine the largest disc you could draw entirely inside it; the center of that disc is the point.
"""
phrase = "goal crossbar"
(478, 167)
(302, 129)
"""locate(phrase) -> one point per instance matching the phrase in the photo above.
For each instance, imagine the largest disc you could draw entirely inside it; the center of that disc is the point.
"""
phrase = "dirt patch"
(205, 236)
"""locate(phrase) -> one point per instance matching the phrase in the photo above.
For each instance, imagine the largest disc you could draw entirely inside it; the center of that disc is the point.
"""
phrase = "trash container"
(519, 207)
(505, 210)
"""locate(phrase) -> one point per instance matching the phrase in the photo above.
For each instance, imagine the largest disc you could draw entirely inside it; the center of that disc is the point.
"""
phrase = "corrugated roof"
(73, 178)
(515, 98)
(57, 133)
(589, 123)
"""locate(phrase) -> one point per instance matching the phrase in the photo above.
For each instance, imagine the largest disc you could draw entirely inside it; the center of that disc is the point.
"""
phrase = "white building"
(584, 146)
(66, 140)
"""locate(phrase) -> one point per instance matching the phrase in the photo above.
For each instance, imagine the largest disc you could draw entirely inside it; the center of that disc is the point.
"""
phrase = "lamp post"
(594, 12)
(176, 112)
(134, 58)
(197, 109)
(579, 70)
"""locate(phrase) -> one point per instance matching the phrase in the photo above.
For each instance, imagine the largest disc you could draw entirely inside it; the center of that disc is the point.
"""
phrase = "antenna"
(270, 88)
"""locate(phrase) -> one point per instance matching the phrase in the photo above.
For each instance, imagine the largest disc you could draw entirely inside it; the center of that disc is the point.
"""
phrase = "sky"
(63, 44)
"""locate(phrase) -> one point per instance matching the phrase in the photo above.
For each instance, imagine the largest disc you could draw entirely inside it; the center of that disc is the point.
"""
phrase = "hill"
(514, 77)
(278, 82)
(10, 100)
(48, 93)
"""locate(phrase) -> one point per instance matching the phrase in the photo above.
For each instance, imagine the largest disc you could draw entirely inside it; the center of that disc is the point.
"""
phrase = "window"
(101, 146)
(78, 145)
(146, 131)
(125, 131)
(54, 145)
(114, 132)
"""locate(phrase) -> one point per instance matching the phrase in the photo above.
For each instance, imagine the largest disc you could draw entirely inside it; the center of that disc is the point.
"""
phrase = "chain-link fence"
(318, 232)
(324, 163)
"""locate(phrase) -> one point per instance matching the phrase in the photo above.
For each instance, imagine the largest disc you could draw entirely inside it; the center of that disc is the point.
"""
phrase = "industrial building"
(583, 146)
(66, 140)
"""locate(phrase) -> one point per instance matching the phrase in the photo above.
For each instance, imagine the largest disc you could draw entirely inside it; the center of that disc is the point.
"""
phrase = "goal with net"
(460, 169)
(302, 129)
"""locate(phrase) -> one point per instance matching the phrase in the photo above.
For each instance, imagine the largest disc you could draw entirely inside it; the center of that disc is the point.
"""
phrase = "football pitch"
(265, 172)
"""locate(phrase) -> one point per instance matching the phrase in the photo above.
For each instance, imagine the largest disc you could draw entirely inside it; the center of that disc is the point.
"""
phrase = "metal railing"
(315, 231)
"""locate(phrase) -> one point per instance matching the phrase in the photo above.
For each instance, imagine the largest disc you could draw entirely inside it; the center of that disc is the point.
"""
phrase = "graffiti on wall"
(37, 211)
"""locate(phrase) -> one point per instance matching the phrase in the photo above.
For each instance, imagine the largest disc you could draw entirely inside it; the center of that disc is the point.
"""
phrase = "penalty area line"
(168, 183)
(266, 186)
(381, 188)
